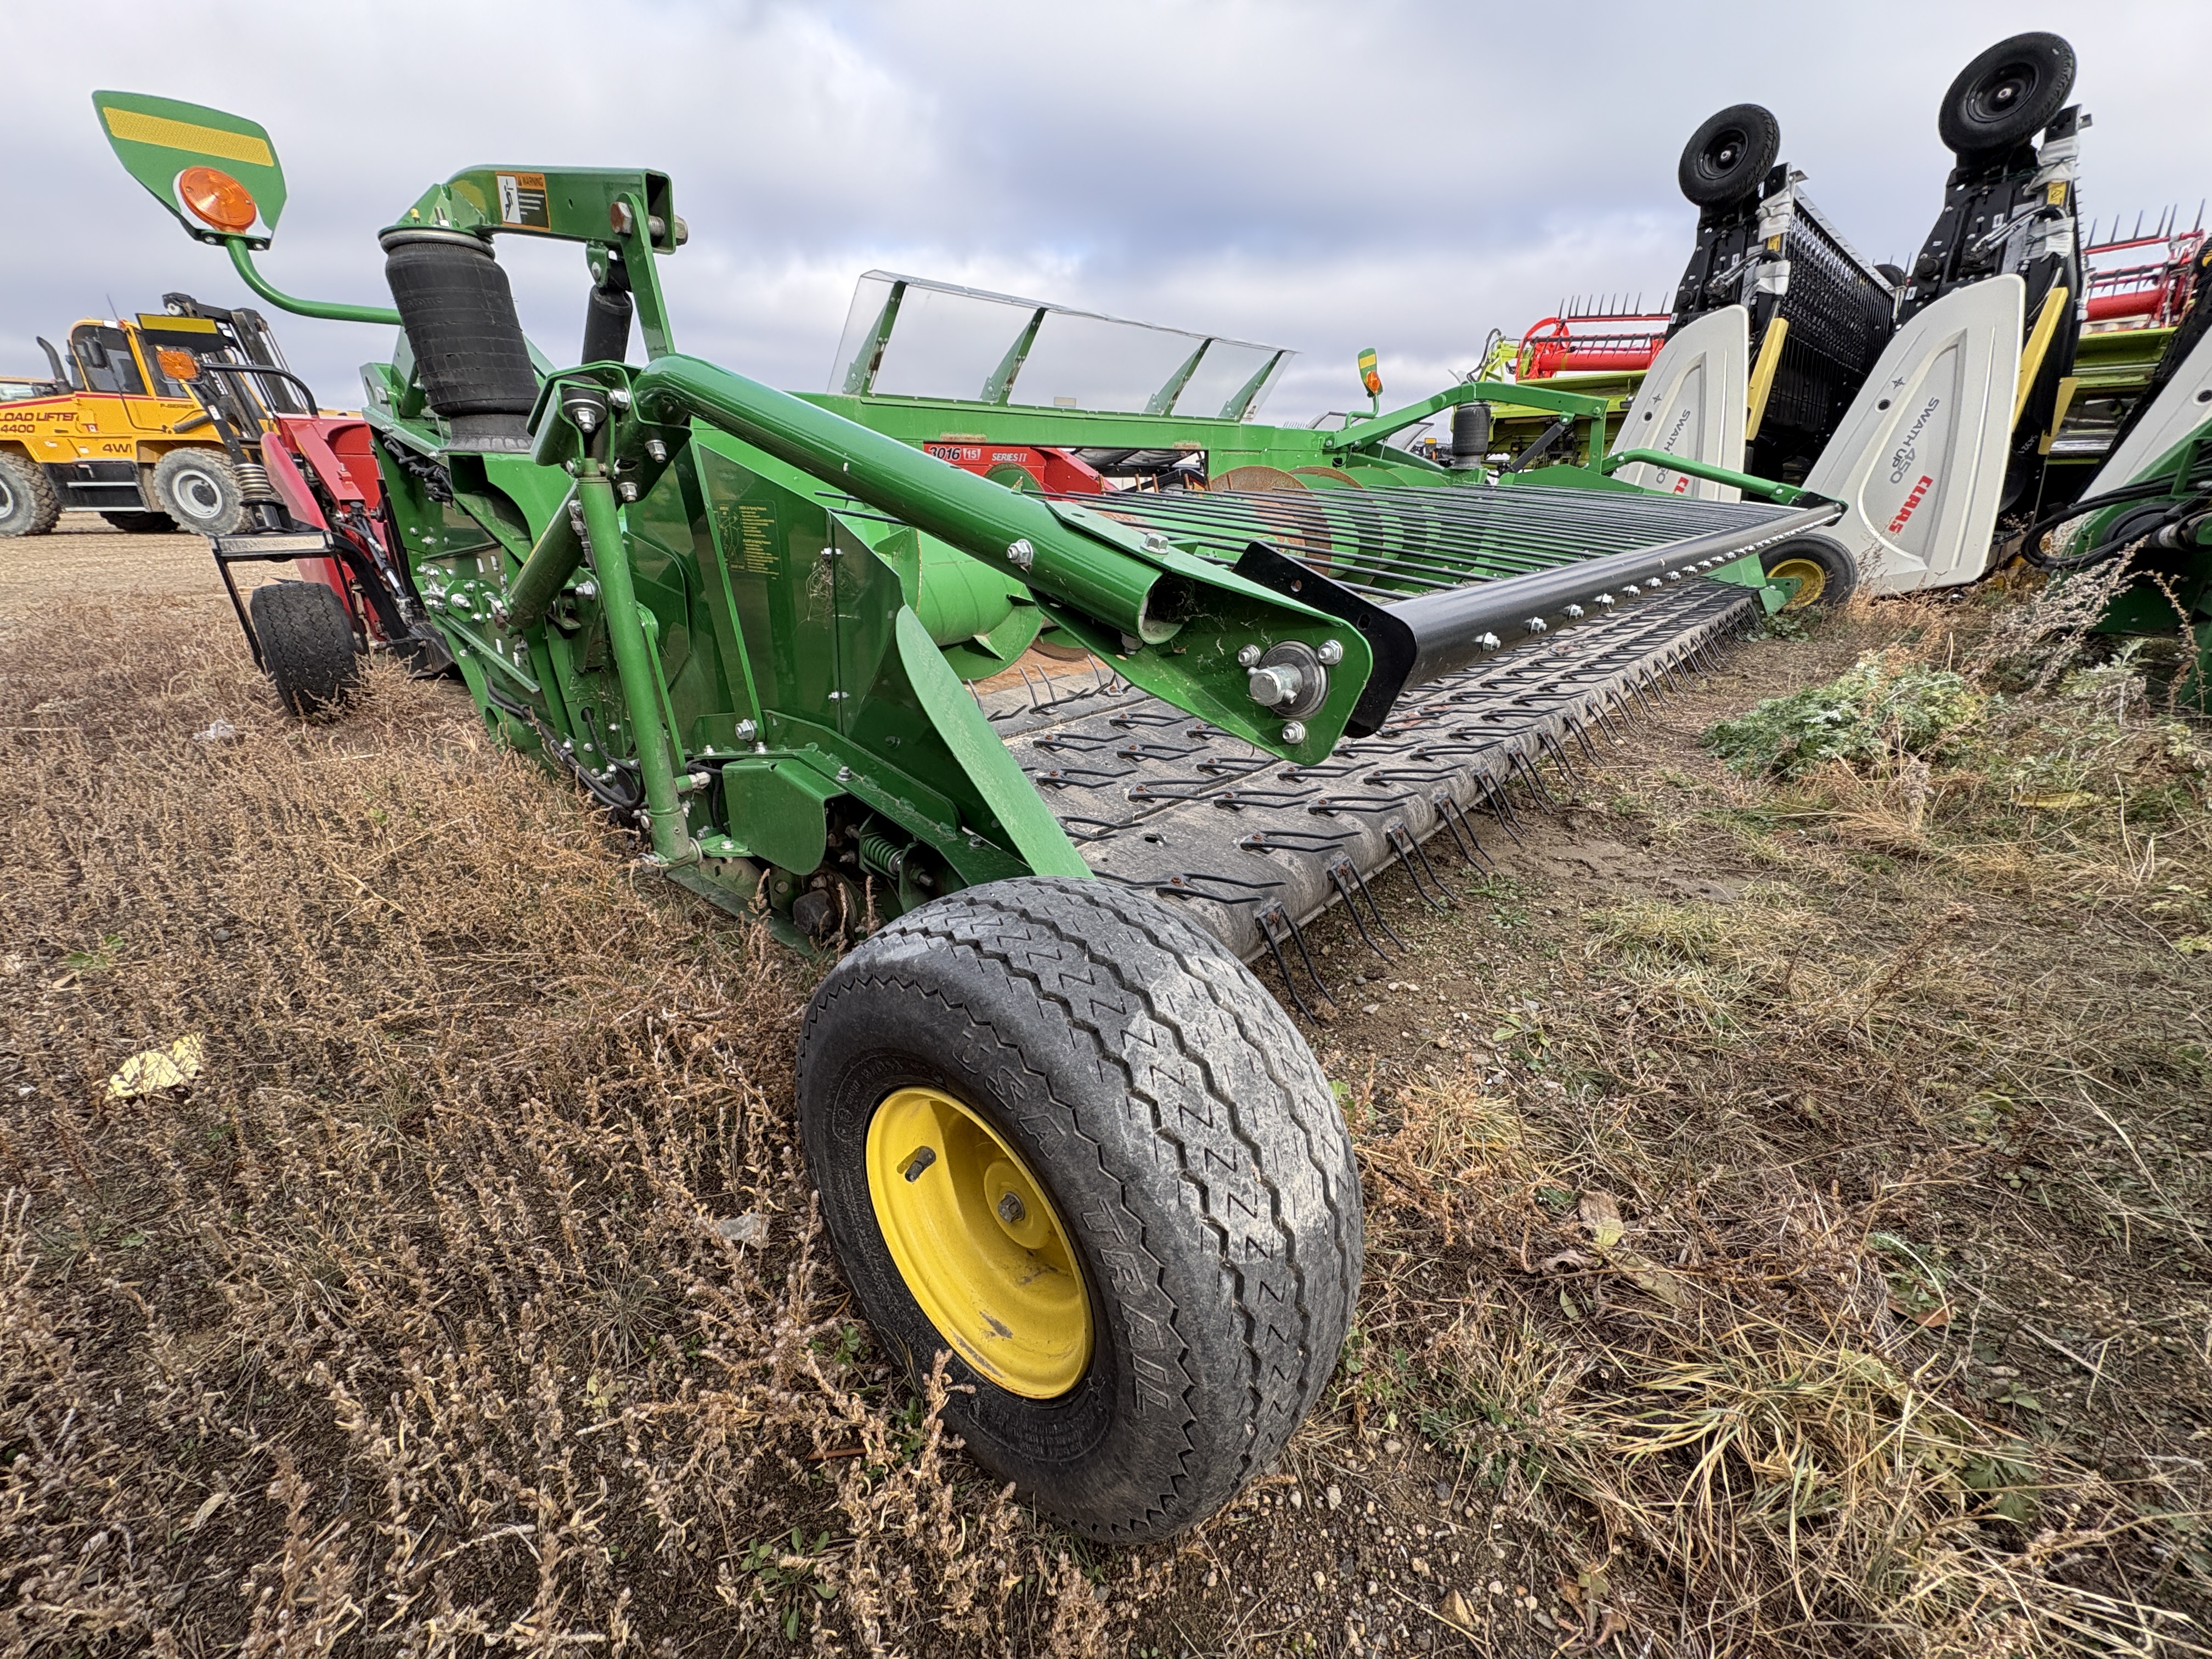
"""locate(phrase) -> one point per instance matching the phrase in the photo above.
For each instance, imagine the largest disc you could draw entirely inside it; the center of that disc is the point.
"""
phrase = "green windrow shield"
(217, 173)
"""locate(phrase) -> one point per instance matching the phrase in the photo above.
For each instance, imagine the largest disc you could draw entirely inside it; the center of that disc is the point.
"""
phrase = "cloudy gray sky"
(1321, 176)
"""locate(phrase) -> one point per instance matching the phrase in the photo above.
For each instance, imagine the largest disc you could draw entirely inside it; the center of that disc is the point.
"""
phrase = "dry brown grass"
(1803, 1250)
(408, 1327)
(1761, 1217)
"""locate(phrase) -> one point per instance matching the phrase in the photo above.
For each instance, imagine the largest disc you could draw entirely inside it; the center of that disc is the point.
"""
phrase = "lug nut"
(656, 449)
(1012, 1210)
(1020, 553)
(1331, 652)
(1294, 731)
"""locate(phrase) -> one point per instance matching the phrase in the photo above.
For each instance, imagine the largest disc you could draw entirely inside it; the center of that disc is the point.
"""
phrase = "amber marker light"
(218, 200)
(178, 364)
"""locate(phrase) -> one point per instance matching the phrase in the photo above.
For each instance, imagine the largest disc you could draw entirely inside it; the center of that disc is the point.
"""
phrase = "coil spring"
(254, 484)
(879, 853)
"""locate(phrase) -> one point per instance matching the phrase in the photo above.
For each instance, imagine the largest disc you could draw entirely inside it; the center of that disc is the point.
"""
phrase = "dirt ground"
(1787, 1197)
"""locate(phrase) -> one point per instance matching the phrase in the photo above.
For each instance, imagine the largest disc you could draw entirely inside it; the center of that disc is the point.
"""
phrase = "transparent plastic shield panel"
(1223, 373)
(1094, 362)
(946, 342)
(858, 342)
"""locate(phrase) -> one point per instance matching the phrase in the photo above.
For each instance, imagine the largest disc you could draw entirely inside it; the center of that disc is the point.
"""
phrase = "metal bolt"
(1248, 656)
(1674, 575)
(586, 417)
(1011, 1210)
(1331, 652)
(1574, 611)
(1605, 598)
(1271, 688)
(627, 491)
(587, 590)
(656, 449)
(619, 397)
(745, 730)
(1020, 553)
(1489, 642)
(827, 554)
(844, 775)
(1294, 731)
(1538, 625)
(1633, 590)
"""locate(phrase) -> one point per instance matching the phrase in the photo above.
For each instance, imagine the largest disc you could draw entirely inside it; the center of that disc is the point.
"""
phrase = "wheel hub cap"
(1811, 578)
(981, 1248)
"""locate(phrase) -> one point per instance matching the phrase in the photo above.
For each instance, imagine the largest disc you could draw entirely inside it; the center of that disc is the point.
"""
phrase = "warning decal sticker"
(522, 201)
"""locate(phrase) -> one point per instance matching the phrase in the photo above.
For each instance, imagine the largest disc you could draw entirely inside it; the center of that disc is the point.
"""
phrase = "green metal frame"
(743, 615)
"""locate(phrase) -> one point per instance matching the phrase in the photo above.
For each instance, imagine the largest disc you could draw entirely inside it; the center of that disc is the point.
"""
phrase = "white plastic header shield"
(1919, 461)
(1692, 403)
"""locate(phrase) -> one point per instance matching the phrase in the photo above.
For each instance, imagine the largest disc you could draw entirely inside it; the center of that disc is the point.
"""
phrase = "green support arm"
(1787, 495)
(1171, 622)
(1362, 433)
(329, 310)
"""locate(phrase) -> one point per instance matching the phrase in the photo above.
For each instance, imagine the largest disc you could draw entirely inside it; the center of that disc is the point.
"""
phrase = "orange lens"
(177, 364)
(217, 199)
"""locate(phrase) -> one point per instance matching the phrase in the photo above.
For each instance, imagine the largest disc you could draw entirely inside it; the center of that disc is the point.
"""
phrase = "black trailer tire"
(1726, 158)
(28, 505)
(2006, 95)
(1175, 1126)
(307, 644)
(197, 488)
(139, 522)
(1827, 575)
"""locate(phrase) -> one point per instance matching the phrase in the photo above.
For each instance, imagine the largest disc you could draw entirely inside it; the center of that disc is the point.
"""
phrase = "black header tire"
(1728, 157)
(2007, 95)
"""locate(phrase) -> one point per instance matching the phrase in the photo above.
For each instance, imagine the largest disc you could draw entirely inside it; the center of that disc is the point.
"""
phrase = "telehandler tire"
(28, 506)
(307, 645)
(1062, 1136)
(197, 488)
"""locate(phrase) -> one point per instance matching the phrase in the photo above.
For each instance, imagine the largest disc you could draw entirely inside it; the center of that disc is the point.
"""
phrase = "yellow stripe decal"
(162, 322)
(183, 134)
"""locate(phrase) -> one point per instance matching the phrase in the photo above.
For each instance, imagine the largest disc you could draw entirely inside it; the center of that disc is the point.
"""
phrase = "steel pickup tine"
(1305, 956)
(1501, 808)
(1403, 844)
(1275, 913)
(1381, 922)
(1560, 758)
(1536, 782)
(1452, 818)
(1335, 873)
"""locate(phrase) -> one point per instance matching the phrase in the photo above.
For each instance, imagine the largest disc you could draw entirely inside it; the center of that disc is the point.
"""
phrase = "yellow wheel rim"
(980, 1246)
(1812, 578)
